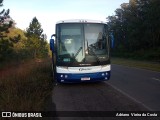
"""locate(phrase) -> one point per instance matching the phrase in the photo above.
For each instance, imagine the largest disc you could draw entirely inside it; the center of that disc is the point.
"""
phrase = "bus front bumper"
(85, 77)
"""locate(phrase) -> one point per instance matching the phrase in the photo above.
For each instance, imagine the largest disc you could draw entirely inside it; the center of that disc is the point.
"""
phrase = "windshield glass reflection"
(71, 43)
(96, 42)
(82, 43)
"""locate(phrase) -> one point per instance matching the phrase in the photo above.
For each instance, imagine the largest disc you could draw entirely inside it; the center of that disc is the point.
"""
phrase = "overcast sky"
(48, 12)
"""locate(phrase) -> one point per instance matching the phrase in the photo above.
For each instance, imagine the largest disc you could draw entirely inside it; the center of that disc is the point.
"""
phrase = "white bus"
(81, 51)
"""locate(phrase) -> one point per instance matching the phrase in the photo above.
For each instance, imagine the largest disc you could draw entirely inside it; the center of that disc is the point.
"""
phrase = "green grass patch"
(25, 87)
(154, 66)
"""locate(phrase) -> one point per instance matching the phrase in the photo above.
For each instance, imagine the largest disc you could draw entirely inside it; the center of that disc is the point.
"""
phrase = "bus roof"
(81, 21)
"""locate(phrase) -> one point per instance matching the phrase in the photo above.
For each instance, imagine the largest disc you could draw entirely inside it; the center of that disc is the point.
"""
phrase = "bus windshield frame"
(82, 44)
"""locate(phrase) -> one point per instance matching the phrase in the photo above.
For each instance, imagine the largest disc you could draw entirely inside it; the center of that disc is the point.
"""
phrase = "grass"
(154, 66)
(26, 86)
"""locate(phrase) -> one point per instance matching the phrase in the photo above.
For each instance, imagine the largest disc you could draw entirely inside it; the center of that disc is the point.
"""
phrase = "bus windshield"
(82, 43)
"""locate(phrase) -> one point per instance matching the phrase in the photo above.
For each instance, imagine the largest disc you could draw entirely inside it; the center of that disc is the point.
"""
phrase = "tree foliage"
(16, 44)
(5, 24)
(36, 40)
(136, 29)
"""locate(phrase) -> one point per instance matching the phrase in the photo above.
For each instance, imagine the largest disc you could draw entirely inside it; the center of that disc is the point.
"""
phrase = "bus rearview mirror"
(52, 45)
(112, 40)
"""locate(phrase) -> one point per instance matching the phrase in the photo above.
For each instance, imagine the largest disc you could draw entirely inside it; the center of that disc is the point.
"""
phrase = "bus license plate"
(85, 78)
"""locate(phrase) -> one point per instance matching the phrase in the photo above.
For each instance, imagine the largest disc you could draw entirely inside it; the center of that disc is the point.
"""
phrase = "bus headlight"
(61, 76)
(102, 74)
(66, 76)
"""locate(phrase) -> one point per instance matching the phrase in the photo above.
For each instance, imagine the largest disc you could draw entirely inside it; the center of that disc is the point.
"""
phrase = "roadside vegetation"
(16, 44)
(25, 65)
(25, 87)
(136, 30)
(136, 27)
(154, 66)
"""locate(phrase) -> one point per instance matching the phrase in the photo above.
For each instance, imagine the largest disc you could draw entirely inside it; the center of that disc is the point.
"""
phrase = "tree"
(5, 24)
(136, 29)
(36, 39)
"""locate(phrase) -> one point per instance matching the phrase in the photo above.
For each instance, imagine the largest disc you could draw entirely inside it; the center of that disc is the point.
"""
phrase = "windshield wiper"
(77, 52)
(90, 49)
(94, 55)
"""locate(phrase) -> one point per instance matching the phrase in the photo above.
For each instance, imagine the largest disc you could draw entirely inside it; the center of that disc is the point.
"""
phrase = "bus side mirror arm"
(54, 35)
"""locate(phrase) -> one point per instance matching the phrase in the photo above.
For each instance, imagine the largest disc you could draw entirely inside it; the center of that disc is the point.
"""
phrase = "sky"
(48, 12)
